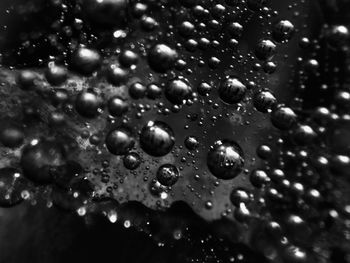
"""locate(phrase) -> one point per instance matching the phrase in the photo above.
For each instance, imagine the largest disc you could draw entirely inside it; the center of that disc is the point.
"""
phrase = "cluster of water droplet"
(158, 101)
